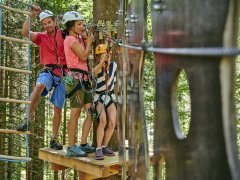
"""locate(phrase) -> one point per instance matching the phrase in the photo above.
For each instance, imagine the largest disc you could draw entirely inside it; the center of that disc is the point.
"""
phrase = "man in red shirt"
(52, 57)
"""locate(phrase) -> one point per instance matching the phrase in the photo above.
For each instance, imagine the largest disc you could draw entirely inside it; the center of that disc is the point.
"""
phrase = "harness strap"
(104, 92)
(55, 66)
(74, 90)
(55, 46)
(78, 70)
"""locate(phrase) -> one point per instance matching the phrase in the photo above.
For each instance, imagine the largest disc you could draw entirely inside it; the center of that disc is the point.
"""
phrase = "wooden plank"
(85, 176)
(15, 39)
(5, 157)
(57, 167)
(84, 164)
(14, 131)
(14, 100)
(15, 10)
(15, 70)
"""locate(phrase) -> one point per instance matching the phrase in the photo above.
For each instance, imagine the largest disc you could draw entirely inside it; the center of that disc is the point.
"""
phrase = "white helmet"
(45, 14)
(71, 16)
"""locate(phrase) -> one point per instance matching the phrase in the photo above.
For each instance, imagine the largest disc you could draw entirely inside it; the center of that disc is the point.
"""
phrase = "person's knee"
(111, 124)
(36, 93)
(102, 122)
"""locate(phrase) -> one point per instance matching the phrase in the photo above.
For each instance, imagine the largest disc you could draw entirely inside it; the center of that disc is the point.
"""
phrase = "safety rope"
(198, 51)
(210, 51)
(28, 86)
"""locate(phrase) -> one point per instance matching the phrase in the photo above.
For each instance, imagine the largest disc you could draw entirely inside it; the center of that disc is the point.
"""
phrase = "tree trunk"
(37, 126)
(104, 10)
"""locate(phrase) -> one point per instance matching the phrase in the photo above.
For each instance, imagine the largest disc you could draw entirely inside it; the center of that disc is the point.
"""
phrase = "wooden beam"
(56, 167)
(16, 70)
(14, 131)
(14, 100)
(9, 158)
(15, 10)
(15, 39)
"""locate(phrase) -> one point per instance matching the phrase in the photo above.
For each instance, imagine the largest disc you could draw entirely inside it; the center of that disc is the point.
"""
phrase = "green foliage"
(183, 102)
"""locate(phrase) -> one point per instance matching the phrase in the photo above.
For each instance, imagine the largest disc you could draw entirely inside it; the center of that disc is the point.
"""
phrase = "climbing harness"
(49, 68)
(82, 84)
(105, 95)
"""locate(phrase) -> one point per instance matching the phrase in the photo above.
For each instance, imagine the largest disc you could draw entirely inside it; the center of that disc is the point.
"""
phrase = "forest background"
(14, 85)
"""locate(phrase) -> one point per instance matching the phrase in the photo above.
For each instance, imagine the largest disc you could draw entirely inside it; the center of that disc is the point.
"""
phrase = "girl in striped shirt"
(104, 100)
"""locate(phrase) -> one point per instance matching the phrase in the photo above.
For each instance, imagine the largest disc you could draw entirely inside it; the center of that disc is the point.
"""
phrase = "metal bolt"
(127, 32)
(159, 5)
(133, 18)
(119, 12)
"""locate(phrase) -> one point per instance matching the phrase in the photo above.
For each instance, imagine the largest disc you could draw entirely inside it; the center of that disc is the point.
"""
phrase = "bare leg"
(72, 125)
(87, 124)
(57, 117)
(101, 125)
(111, 114)
(35, 98)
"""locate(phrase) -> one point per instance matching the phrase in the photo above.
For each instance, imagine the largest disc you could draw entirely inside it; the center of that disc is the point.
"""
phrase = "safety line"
(208, 51)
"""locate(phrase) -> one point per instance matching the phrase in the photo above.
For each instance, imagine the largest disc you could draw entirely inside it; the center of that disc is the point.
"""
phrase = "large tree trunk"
(104, 11)
(37, 126)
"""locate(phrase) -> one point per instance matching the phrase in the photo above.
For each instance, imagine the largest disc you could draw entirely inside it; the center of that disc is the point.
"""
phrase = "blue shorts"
(52, 81)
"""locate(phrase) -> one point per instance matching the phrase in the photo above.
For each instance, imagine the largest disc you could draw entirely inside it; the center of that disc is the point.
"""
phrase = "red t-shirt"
(47, 51)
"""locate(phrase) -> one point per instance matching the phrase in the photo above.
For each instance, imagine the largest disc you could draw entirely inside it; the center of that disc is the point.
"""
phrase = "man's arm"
(25, 29)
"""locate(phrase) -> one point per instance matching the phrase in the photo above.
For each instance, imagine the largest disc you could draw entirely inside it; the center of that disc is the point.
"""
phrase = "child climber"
(104, 100)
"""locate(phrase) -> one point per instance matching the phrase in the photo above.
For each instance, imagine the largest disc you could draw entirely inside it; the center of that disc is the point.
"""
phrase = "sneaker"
(23, 127)
(75, 152)
(88, 148)
(108, 152)
(55, 145)
(99, 154)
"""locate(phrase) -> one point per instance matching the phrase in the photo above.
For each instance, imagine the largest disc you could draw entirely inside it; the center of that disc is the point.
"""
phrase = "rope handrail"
(208, 51)
(15, 70)
(14, 100)
(15, 10)
(15, 39)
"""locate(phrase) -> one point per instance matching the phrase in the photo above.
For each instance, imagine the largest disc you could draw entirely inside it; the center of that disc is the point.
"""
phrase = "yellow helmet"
(101, 48)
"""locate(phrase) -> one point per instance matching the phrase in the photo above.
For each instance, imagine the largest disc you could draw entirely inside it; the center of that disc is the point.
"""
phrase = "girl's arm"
(80, 53)
(104, 58)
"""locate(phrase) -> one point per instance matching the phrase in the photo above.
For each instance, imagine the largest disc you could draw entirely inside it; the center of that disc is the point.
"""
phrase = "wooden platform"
(88, 167)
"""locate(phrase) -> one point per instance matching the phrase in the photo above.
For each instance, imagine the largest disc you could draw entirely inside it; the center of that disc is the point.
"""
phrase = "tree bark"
(104, 10)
